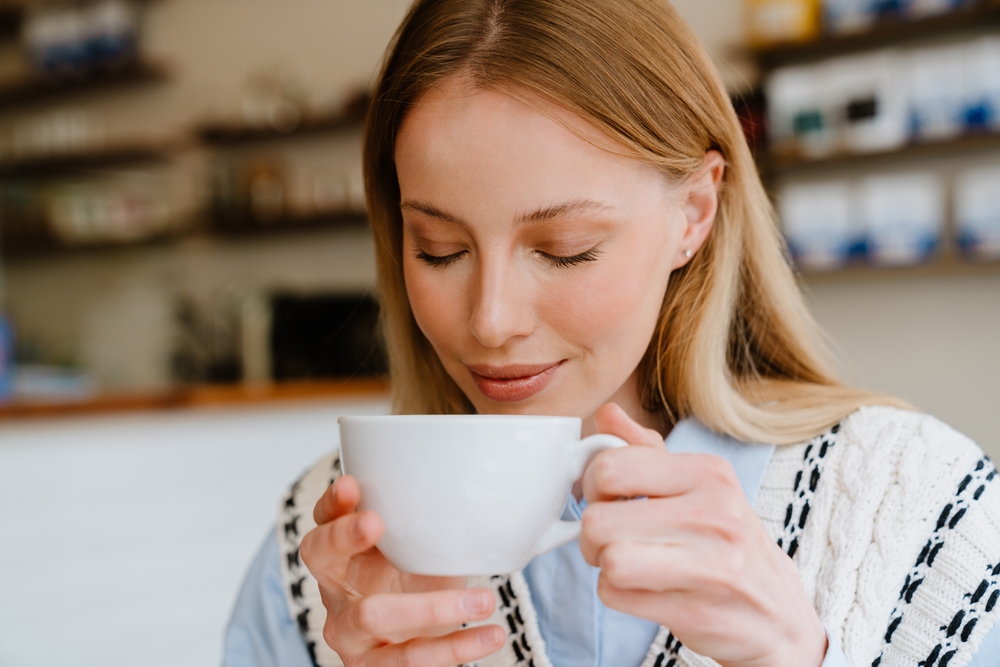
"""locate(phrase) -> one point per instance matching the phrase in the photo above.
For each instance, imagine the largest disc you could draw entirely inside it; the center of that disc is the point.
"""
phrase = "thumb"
(612, 419)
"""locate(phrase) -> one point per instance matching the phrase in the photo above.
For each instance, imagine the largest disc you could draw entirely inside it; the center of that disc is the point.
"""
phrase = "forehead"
(459, 138)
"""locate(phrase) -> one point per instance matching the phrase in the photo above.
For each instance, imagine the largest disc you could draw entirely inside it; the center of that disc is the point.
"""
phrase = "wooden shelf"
(247, 226)
(35, 89)
(49, 246)
(770, 164)
(68, 163)
(236, 134)
(45, 245)
(11, 16)
(208, 396)
(981, 15)
(943, 265)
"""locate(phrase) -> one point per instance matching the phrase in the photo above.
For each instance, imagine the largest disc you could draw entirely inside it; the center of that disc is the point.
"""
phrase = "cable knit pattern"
(301, 589)
(892, 518)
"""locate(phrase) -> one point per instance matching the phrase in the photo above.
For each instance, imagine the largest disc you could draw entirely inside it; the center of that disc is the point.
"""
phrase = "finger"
(611, 418)
(458, 648)
(327, 549)
(643, 471)
(666, 521)
(395, 618)
(340, 498)
(659, 568)
(665, 608)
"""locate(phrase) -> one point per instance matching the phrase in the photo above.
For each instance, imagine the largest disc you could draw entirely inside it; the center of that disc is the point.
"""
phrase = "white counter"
(123, 539)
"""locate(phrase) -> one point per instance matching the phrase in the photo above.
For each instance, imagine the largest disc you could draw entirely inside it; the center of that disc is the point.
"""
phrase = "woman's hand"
(377, 615)
(693, 556)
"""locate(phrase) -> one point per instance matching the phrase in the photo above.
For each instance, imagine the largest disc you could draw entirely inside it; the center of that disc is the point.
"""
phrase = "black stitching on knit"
(797, 511)
(517, 652)
(980, 590)
(923, 552)
(804, 515)
(955, 624)
(297, 588)
(967, 630)
(303, 620)
(503, 597)
(981, 600)
(892, 628)
(965, 483)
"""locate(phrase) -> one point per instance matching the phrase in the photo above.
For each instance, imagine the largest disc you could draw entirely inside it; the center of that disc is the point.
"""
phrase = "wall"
(930, 340)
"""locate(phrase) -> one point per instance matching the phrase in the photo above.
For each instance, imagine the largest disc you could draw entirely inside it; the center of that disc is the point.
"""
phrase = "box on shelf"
(977, 212)
(856, 104)
(982, 84)
(777, 21)
(880, 100)
(798, 116)
(903, 216)
(72, 41)
(937, 92)
(918, 9)
(850, 16)
(868, 101)
(819, 224)
(885, 219)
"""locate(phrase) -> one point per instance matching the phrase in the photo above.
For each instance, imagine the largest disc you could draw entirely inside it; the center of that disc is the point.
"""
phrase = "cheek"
(611, 312)
(437, 303)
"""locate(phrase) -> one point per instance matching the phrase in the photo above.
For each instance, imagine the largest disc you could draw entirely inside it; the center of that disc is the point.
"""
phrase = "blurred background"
(187, 278)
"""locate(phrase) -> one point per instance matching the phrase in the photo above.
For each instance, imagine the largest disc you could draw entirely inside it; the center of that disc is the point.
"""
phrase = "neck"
(627, 397)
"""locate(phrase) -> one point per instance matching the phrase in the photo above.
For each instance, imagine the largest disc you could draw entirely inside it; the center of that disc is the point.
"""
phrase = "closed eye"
(439, 260)
(572, 260)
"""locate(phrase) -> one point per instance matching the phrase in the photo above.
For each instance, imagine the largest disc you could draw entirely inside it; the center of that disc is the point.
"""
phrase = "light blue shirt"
(579, 631)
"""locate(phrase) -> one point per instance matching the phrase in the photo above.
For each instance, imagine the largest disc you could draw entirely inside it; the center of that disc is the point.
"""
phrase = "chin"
(531, 406)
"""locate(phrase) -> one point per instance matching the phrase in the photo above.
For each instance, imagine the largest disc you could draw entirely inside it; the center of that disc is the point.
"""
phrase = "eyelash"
(437, 261)
(556, 260)
(573, 260)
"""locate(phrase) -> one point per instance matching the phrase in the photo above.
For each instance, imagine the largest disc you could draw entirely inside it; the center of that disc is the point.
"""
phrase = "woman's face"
(536, 262)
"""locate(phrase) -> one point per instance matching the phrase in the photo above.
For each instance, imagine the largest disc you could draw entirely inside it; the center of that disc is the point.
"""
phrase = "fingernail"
(491, 635)
(476, 603)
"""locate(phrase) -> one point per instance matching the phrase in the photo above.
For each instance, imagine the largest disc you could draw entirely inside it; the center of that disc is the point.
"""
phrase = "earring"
(688, 253)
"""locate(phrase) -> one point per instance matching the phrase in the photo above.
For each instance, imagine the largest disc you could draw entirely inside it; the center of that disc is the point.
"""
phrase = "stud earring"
(688, 253)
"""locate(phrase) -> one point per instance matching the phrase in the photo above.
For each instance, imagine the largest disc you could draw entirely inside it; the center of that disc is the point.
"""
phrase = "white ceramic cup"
(468, 495)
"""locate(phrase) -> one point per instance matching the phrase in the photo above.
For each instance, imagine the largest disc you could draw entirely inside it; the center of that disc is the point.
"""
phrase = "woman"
(568, 221)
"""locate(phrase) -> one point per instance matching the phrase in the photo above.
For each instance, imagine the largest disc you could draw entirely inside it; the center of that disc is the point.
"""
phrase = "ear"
(701, 202)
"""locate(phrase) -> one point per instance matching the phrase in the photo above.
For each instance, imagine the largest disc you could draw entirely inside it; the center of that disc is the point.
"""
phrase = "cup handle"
(561, 532)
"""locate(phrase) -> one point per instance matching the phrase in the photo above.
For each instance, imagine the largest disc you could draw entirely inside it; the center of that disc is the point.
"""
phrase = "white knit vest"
(892, 518)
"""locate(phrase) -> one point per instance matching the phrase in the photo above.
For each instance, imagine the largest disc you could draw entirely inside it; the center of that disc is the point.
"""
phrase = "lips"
(517, 382)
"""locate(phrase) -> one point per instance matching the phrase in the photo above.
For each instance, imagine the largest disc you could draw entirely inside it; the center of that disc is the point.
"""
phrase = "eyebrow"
(538, 215)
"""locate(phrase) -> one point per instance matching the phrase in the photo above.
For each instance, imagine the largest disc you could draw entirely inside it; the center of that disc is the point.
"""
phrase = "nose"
(502, 304)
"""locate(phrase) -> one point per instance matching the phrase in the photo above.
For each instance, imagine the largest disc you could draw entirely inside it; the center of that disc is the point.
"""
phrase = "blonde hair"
(734, 346)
